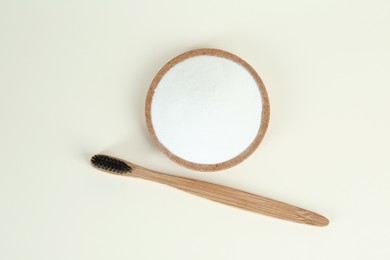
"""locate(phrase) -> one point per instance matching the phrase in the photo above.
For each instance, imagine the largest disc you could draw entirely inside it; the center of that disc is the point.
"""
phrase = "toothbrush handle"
(234, 197)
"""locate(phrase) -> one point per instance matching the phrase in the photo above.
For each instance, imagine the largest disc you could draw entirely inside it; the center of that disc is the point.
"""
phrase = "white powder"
(206, 109)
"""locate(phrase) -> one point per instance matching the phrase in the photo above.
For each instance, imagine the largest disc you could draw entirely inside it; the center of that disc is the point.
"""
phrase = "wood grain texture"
(230, 196)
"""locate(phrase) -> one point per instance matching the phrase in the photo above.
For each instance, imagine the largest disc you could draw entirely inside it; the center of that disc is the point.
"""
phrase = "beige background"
(73, 80)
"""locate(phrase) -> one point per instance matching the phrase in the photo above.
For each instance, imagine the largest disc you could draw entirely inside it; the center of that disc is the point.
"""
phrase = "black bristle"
(110, 164)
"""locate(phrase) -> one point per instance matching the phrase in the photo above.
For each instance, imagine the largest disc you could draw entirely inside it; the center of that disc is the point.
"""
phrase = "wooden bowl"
(166, 137)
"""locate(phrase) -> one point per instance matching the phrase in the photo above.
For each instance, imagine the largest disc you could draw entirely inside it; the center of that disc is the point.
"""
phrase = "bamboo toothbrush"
(218, 193)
